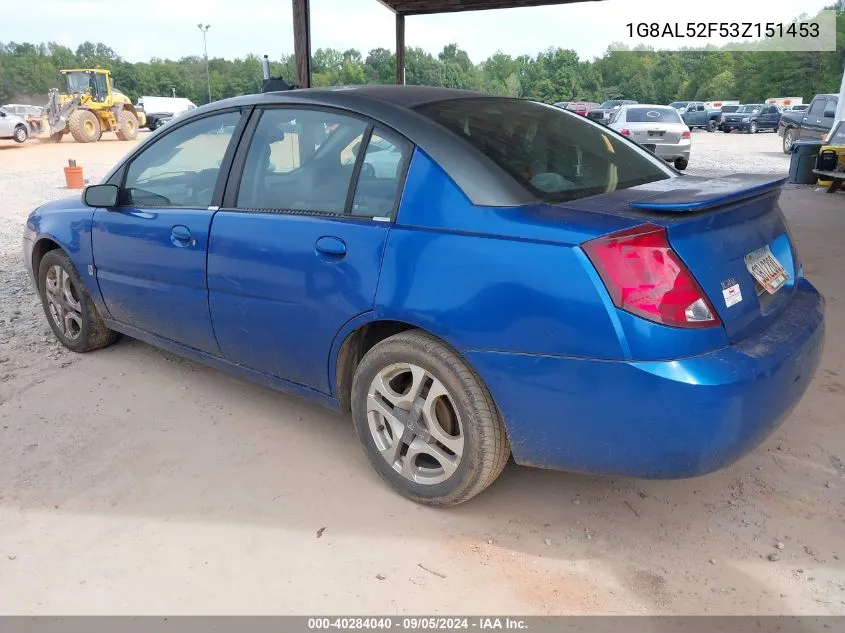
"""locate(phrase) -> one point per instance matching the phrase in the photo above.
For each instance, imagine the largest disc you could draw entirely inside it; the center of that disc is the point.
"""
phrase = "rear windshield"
(652, 115)
(679, 105)
(555, 155)
(750, 108)
(730, 108)
(837, 137)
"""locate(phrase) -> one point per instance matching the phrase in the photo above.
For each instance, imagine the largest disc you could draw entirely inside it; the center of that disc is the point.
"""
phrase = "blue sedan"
(517, 281)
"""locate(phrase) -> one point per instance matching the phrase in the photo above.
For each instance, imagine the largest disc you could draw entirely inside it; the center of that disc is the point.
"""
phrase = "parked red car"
(582, 107)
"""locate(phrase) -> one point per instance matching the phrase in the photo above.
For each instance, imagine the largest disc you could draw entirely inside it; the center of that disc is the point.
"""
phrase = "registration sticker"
(731, 292)
(766, 269)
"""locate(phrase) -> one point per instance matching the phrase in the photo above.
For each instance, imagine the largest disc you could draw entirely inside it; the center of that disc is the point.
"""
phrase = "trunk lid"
(656, 134)
(713, 224)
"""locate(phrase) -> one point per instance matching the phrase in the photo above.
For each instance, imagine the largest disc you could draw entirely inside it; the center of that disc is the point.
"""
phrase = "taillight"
(686, 134)
(644, 276)
(625, 132)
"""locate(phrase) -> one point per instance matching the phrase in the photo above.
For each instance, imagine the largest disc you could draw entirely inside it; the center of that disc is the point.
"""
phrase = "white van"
(160, 109)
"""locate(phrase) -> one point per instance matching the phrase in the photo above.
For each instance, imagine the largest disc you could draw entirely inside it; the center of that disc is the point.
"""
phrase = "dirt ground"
(134, 482)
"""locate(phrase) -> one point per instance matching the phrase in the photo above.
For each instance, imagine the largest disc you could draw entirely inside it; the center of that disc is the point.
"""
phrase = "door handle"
(332, 246)
(181, 236)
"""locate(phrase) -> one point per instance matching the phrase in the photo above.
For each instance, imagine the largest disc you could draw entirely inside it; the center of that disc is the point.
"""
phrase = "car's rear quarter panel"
(494, 279)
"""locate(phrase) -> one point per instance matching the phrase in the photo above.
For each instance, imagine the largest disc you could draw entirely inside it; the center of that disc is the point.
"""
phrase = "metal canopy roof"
(423, 7)
(402, 8)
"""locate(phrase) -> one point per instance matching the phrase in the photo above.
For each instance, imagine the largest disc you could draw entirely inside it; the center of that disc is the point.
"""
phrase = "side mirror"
(2, 114)
(101, 196)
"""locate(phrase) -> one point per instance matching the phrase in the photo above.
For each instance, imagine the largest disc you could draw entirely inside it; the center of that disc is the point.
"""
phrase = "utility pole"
(204, 30)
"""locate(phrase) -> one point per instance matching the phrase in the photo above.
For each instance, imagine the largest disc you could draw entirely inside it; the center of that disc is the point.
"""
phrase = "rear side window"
(300, 159)
(555, 155)
(652, 115)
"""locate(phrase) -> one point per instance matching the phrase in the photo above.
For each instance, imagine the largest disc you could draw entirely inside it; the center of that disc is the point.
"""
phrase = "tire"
(681, 164)
(480, 449)
(84, 126)
(711, 125)
(71, 313)
(752, 129)
(21, 134)
(726, 130)
(788, 140)
(127, 126)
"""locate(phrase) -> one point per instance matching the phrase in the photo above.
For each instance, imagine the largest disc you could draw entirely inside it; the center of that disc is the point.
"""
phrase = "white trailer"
(785, 102)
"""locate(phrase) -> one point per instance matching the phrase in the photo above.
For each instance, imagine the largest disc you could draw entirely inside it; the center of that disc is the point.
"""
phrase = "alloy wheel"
(65, 306)
(414, 423)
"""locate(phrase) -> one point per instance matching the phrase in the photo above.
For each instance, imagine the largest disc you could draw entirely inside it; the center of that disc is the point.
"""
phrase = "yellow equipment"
(833, 150)
(90, 107)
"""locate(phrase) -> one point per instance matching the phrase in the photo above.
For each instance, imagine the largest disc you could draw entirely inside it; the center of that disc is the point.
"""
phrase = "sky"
(168, 28)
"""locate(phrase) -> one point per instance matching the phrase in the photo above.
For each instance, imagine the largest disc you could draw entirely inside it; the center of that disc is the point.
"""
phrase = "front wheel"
(127, 126)
(726, 130)
(21, 134)
(752, 129)
(426, 421)
(788, 140)
(71, 313)
(711, 126)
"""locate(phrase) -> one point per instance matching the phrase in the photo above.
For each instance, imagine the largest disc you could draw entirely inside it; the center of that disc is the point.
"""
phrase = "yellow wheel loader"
(90, 107)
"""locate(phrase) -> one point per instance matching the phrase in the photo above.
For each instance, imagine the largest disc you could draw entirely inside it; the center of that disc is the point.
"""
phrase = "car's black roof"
(405, 96)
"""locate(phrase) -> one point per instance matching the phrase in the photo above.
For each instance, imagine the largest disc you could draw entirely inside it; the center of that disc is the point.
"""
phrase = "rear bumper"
(657, 419)
(672, 152)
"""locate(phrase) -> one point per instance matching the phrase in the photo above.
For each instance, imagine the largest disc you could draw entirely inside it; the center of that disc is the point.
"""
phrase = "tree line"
(28, 71)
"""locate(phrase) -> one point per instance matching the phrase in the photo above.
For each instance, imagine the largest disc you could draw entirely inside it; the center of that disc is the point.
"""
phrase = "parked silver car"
(12, 126)
(658, 128)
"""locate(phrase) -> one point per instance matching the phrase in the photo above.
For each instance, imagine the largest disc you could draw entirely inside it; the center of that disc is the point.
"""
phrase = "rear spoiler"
(687, 195)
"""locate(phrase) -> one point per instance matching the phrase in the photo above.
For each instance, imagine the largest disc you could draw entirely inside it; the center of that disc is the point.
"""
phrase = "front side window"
(556, 156)
(300, 160)
(78, 83)
(817, 109)
(181, 168)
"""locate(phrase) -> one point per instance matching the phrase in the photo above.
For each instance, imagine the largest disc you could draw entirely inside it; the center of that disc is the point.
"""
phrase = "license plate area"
(768, 273)
(655, 134)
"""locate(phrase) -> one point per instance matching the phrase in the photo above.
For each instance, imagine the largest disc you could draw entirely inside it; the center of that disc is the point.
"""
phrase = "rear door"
(296, 249)
(150, 252)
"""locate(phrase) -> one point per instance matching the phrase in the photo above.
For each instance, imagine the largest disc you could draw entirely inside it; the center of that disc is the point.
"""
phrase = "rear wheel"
(427, 423)
(127, 126)
(681, 163)
(21, 134)
(84, 126)
(71, 313)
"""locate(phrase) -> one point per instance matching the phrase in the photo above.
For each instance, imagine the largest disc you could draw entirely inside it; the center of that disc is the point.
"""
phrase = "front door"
(7, 125)
(295, 252)
(812, 125)
(150, 252)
